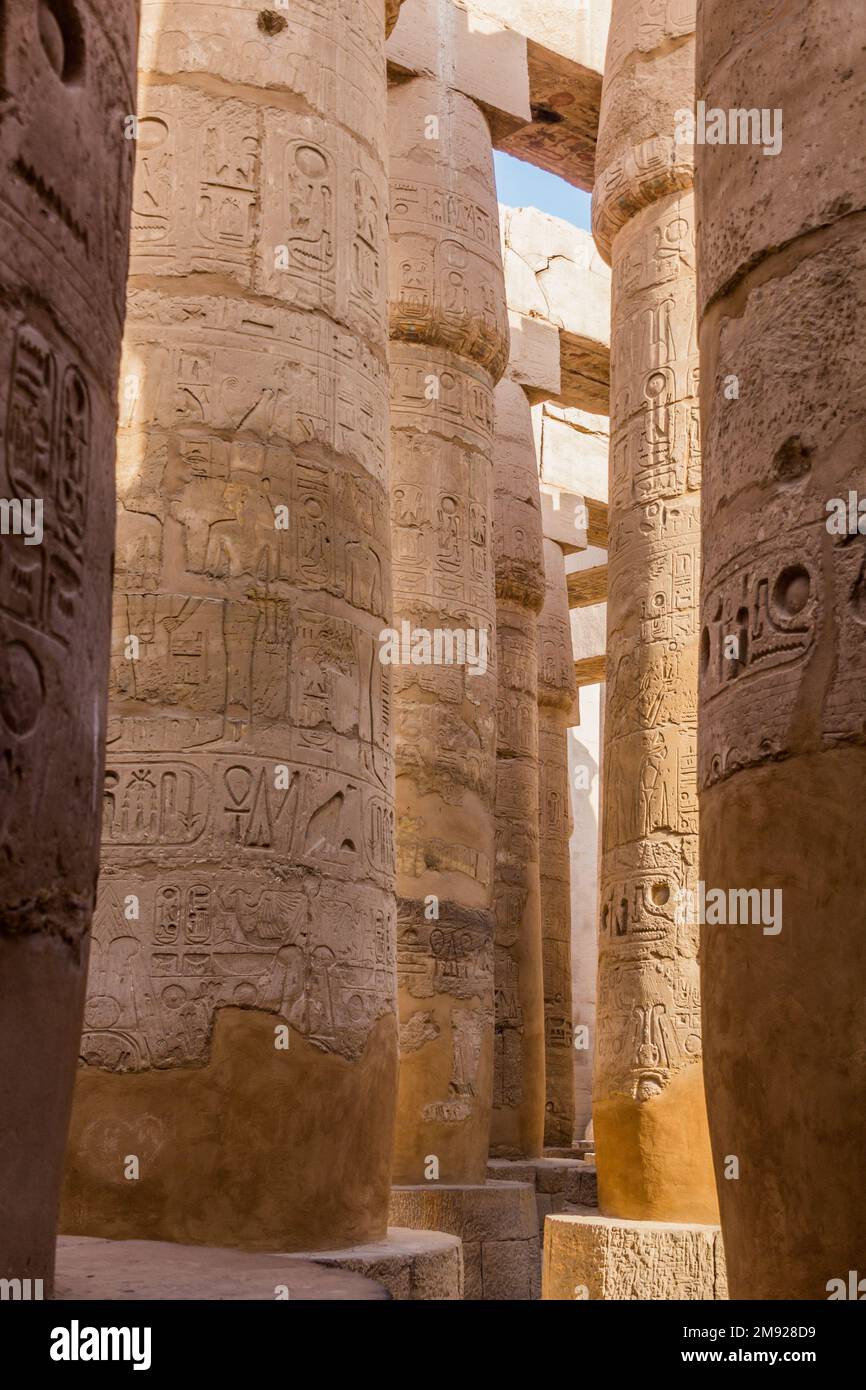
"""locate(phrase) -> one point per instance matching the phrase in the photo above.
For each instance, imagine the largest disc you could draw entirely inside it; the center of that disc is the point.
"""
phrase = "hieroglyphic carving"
(556, 690)
(518, 1096)
(650, 815)
(248, 802)
(648, 1023)
(449, 343)
(782, 727)
(67, 78)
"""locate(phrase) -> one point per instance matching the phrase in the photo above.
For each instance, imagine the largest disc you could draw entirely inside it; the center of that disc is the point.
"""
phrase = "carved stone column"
(68, 85)
(649, 1113)
(556, 691)
(783, 646)
(518, 1094)
(449, 345)
(240, 1039)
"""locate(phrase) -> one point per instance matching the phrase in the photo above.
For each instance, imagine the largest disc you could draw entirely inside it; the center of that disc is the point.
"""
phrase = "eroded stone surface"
(650, 1122)
(518, 1084)
(248, 827)
(497, 1223)
(594, 1257)
(412, 1265)
(783, 655)
(556, 690)
(449, 346)
(553, 272)
(68, 87)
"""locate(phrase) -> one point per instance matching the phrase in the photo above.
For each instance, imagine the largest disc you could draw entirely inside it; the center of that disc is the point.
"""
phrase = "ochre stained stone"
(517, 1129)
(654, 1159)
(449, 345)
(240, 1032)
(67, 75)
(556, 692)
(782, 288)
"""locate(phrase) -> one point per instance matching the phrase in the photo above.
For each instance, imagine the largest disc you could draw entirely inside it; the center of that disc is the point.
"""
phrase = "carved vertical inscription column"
(449, 346)
(556, 692)
(649, 1111)
(783, 641)
(67, 79)
(517, 1129)
(240, 1033)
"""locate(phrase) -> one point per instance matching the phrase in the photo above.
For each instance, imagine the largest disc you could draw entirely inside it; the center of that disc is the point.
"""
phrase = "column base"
(601, 1257)
(497, 1223)
(406, 1265)
(94, 1268)
(411, 1264)
(559, 1183)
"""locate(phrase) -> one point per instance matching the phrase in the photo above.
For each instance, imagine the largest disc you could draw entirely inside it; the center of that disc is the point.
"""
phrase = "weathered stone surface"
(392, 14)
(574, 452)
(411, 1265)
(782, 718)
(534, 357)
(518, 1083)
(449, 346)
(565, 56)
(556, 690)
(68, 87)
(648, 78)
(559, 1182)
(247, 882)
(554, 273)
(472, 53)
(497, 1223)
(153, 1270)
(596, 1257)
(584, 776)
(649, 1109)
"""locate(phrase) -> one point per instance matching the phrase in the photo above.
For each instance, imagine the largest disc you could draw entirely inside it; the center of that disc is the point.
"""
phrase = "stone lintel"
(589, 670)
(470, 53)
(535, 355)
(565, 100)
(586, 587)
(554, 274)
(597, 531)
(602, 1257)
(562, 517)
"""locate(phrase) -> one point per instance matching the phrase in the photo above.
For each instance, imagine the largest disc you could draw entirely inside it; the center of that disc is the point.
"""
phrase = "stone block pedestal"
(601, 1257)
(497, 1224)
(412, 1265)
(559, 1182)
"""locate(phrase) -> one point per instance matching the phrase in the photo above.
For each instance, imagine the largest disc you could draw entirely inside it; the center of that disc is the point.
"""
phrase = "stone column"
(649, 1113)
(449, 345)
(518, 1087)
(783, 655)
(649, 1110)
(240, 1040)
(556, 691)
(68, 87)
